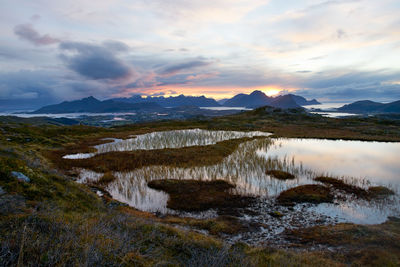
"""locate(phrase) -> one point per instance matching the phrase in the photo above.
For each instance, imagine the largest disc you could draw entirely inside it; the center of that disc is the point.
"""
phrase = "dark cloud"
(173, 69)
(377, 92)
(95, 61)
(43, 87)
(28, 33)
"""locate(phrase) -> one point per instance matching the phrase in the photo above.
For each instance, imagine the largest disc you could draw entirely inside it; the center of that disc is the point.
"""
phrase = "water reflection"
(378, 162)
(305, 158)
(168, 139)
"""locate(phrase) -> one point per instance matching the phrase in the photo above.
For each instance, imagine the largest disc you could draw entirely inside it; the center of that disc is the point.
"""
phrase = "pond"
(358, 163)
(168, 139)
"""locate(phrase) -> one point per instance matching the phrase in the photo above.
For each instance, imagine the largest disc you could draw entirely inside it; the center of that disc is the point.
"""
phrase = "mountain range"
(172, 101)
(371, 107)
(256, 99)
(259, 99)
(137, 102)
(93, 105)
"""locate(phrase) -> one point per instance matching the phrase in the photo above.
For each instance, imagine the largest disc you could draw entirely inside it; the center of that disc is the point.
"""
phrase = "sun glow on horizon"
(272, 91)
(217, 92)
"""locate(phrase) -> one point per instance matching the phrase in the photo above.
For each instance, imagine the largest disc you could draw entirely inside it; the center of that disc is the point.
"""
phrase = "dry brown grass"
(361, 245)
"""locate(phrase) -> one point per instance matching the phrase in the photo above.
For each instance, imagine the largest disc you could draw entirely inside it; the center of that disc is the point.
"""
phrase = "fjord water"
(360, 163)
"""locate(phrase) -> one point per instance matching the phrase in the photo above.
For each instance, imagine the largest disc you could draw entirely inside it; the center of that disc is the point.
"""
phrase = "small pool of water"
(359, 163)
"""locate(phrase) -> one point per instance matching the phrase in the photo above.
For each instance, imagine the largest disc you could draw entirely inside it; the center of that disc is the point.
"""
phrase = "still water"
(168, 139)
(359, 163)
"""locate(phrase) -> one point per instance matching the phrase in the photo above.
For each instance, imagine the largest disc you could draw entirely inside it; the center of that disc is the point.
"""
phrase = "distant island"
(371, 107)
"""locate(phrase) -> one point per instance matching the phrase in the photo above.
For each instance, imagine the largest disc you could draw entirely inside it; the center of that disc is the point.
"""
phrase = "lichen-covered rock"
(20, 176)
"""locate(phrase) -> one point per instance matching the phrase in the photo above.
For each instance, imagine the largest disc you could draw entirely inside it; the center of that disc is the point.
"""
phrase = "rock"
(2, 192)
(20, 176)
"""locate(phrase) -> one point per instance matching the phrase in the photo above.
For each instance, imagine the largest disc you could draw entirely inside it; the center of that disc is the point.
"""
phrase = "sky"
(335, 51)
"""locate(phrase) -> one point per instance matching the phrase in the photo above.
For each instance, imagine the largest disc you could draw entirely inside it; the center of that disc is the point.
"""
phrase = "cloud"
(95, 61)
(116, 46)
(176, 68)
(28, 33)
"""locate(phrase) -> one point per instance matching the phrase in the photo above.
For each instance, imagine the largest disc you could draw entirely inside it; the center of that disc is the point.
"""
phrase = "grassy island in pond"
(195, 195)
(312, 193)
